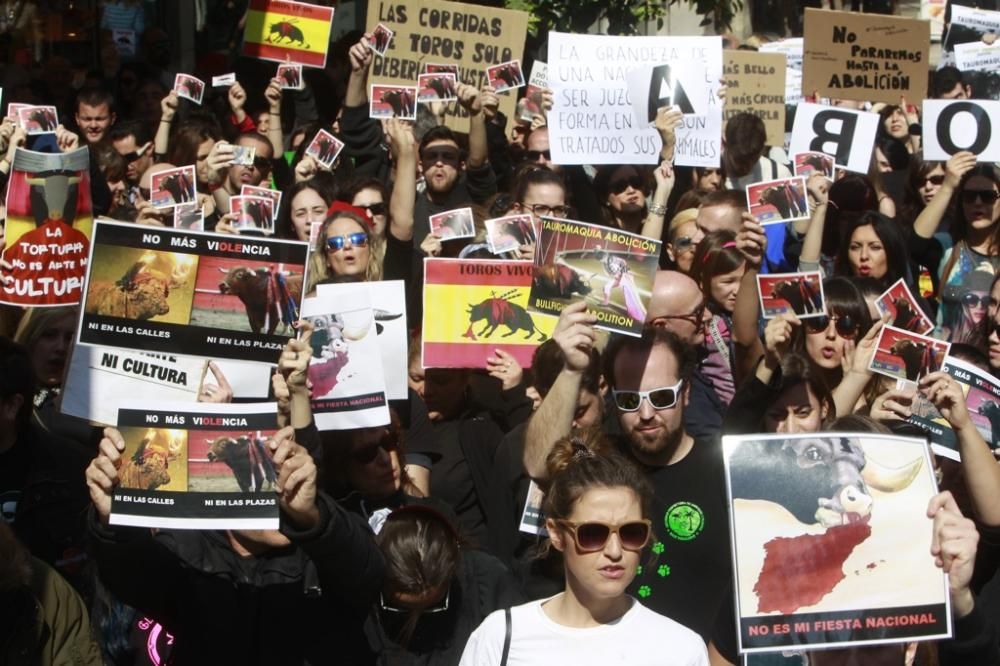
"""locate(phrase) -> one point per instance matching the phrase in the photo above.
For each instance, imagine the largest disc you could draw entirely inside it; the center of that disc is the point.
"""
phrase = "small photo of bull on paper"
(154, 459)
(907, 356)
(173, 187)
(806, 164)
(381, 40)
(505, 234)
(325, 148)
(436, 88)
(189, 87)
(38, 119)
(903, 309)
(441, 68)
(778, 201)
(800, 294)
(290, 75)
(506, 76)
(190, 217)
(393, 102)
(252, 214)
(453, 224)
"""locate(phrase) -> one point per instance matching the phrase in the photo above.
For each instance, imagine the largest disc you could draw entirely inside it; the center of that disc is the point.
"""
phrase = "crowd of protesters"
(401, 544)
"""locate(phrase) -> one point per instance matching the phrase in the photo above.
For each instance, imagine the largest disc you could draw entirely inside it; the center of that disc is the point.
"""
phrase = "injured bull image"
(149, 457)
(502, 311)
(142, 289)
(270, 296)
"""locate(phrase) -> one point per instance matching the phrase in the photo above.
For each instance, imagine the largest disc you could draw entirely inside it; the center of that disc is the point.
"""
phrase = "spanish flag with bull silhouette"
(475, 306)
(286, 31)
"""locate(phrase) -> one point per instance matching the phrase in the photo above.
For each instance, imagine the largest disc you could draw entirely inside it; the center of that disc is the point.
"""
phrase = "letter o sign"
(955, 137)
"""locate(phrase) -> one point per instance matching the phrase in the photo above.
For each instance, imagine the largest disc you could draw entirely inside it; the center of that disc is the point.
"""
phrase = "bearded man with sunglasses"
(650, 379)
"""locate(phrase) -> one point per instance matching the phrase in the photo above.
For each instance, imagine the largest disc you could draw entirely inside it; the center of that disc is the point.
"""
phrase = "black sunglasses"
(846, 327)
(976, 299)
(619, 186)
(337, 243)
(261, 163)
(375, 208)
(367, 455)
(533, 155)
(972, 196)
(446, 156)
(933, 180)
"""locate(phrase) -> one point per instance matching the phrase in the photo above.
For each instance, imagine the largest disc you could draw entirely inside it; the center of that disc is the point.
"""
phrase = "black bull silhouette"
(247, 457)
(919, 359)
(178, 186)
(286, 30)
(401, 101)
(817, 479)
(799, 294)
(558, 281)
(499, 310)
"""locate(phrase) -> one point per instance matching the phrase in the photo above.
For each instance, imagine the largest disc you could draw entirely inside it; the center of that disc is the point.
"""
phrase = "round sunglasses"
(593, 535)
(846, 327)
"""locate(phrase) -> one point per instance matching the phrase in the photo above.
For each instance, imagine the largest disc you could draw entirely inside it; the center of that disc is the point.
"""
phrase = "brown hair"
(716, 254)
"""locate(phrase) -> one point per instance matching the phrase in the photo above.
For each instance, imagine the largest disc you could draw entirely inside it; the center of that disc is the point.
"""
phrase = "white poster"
(792, 49)
(592, 121)
(951, 126)
(846, 135)
(977, 56)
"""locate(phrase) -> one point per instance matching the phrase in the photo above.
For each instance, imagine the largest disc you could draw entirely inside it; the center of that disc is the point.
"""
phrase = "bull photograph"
(800, 294)
(831, 541)
(38, 119)
(908, 356)
(247, 295)
(903, 310)
(609, 269)
(291, 76)
(141, 285)
(173, 187)
(436, 88)
(453, 224)
(510, 233)
(154, 459)
(189, 87)
(226, 461)
(324, 148)
(807, 164)
(506, 76)
(381, 39)
(254, 214)
(777, 201)
(393, 102)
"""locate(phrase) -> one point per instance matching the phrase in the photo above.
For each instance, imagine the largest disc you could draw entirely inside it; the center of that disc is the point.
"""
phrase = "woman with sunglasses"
(976, 230)
(596, 509)
(684, 236)
(622, 192)
(992, 328)
(344, 247)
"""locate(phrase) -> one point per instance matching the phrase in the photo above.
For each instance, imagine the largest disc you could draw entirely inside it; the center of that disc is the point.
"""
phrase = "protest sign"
(652, 87)
(976, 56)
(903, 310)
(951, 126)
(389, 305)
(592, 119)
(866, 57)
(171, 187)
(473, 37)
(48, 228)
(252, 213)
(846, 135)
(982, 398)
(612, 270)
(381, 37)
(196, 466)
(792, 49)
(290, 75)
(505, 234)
(806, 164)
(345, 371)
(969, 24)
(492, 298)
(778, 201)
(907, 356)
(532, 516)
(438, 87)
(818, 560)
(99, 378)
(800, 294)
(531, 104)
(325, 148)
(286, 31)
(755, 83)
(452, 224)
(393, 102)
(191, 293)
(266, 192)
(505, 76)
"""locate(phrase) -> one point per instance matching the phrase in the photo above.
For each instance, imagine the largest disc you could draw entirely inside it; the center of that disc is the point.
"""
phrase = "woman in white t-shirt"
(595, 508)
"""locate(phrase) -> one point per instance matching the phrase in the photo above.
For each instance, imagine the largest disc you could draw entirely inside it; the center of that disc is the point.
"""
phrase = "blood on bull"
(498, 310)
(287, 30)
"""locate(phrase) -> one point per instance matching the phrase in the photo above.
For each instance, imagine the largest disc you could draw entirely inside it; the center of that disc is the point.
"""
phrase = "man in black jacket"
(295, 596)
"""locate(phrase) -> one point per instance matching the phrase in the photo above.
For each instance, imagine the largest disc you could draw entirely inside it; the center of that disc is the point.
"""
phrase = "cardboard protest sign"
(48, 228)
(800, 294)
(867, 57)
(907, 356)
(592, 119)
(196, 466)
(818, 560)
(99, 378)
(191, 293)
(389, 307)
(778, 201)
(612, 270)
(345, 371)
(903, 310)
(755, 83)
(473, 37)
(473, 307)
(846, 135)
(951, 126)
(982, 398)
(977, 56)
(792, 49)
(282, 30)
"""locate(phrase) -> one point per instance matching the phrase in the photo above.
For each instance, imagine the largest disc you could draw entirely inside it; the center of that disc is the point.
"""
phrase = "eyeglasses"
(439, 607)
(619, 186)
(134, 155)
(542, 210)
(933, 180)
(660, 398)
(695, 317)
(846, 327)
(337, 243)
(683, 244)
(446, 156)
(972, 196)
(976, 299)
(261, 163)
(377, 208)
(592, 536)
(367, 455)
(533, 155)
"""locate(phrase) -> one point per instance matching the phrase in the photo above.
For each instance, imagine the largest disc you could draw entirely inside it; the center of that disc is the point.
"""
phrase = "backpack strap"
(506, 638)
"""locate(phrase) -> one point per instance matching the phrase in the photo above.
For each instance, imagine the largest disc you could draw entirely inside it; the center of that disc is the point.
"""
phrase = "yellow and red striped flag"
(282, 30)
(475, 306)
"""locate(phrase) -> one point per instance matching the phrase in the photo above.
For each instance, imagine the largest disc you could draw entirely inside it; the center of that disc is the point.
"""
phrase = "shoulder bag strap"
(506, 638)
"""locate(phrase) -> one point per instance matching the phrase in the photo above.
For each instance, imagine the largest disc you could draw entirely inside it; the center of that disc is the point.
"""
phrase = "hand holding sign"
(361, 55)
(575, 335)
(102, 473)
(296, 486)
(751, 241)
(956, 167)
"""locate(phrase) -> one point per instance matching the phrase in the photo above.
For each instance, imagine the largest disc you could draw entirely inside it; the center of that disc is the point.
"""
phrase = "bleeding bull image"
(611, 270)
(908, 356)
(247, 295)
(778, 200)
(140, 285)
(831, 541)
(903, 309)
(393, 102)
(224, 461)
(800, 294)
(154, 459)
(48, 228)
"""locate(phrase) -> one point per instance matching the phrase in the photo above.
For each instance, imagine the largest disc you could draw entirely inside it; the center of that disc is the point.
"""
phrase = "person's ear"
(114, 118)
(602, 385)
(670, 252)
(555, 535)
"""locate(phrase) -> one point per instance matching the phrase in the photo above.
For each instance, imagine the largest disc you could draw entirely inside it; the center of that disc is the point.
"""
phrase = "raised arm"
(273, 95)
(357, 85)
(474, 102)
(168, 109)
(930, 217)
(404, 187)
(752, 242)
(819, 188)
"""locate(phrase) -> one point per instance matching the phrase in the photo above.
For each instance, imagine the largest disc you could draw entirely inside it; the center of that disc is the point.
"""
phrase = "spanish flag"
(282, 30)
(475, 306)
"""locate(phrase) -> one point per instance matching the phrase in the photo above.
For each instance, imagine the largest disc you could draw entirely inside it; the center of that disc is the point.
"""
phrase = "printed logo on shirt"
(684, 521)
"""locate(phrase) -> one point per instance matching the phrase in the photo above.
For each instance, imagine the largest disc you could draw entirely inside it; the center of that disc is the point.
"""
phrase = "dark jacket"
(363, 143)
(299, 604)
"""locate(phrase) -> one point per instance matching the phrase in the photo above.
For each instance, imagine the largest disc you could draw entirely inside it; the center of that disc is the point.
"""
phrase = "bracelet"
(657, 209)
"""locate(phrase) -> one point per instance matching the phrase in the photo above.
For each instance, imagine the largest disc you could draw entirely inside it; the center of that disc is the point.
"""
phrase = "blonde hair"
(318, 268)
(680, 219)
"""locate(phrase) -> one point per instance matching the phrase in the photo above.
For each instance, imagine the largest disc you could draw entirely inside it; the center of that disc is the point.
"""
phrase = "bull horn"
(890, 479)
(223, 270)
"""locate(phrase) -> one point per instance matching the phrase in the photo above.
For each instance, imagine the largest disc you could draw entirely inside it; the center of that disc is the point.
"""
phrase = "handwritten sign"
(951, 126)
(868, 57)
(433, 31)
(592, 120)
(755, 83)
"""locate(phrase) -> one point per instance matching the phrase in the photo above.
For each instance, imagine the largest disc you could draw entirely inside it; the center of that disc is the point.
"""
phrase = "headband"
(344, 207)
